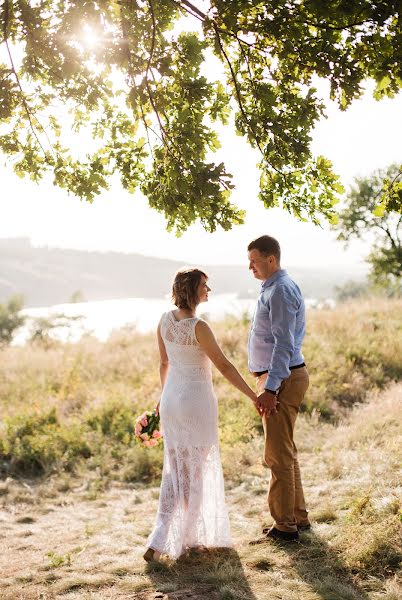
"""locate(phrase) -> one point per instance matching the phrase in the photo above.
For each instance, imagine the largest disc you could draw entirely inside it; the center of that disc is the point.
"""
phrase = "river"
(142, 314)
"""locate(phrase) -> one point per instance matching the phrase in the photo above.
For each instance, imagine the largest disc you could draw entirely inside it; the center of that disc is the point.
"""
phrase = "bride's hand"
(157, 408)
(258, 406)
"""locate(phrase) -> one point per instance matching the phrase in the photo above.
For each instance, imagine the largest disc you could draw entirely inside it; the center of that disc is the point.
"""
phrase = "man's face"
(261, 266)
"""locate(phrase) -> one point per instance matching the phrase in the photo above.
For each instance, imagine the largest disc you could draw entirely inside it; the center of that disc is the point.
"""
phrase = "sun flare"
(89, 37)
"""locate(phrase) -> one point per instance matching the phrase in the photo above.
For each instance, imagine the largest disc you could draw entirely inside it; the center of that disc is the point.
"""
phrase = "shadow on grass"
(321, 567)
(213, 574)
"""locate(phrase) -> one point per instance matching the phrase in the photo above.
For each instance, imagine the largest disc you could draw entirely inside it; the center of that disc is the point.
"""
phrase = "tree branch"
(197, 12)
(239, 99)
(388, 233)
(146, 131)
(193, 11)
(165, 135)
(399, 174)
(14, 70)
(237, 89)
(252, 83)
(131, 76)
(340, 27)
(397, 230)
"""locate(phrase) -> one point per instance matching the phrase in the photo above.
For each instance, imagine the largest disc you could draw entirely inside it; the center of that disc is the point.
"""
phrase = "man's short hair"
(267, 245)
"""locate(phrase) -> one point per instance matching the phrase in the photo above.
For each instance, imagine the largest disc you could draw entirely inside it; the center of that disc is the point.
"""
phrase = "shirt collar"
(274, 277)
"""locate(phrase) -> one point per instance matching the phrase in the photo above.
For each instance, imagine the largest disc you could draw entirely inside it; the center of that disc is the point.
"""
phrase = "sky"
(365, 137)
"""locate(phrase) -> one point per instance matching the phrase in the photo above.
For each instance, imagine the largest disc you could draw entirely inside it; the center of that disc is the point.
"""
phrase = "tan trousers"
(285, 497)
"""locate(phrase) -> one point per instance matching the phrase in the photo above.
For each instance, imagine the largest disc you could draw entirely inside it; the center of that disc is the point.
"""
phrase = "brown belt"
(259, 373)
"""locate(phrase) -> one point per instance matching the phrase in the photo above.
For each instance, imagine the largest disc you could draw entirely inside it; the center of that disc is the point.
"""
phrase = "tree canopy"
(361, 217)
(139, 78)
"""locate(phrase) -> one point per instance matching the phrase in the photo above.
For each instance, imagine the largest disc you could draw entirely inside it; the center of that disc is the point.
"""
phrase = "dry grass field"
(78, 497)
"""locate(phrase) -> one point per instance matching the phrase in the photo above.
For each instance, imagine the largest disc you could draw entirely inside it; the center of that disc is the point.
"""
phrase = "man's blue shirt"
(277, 330)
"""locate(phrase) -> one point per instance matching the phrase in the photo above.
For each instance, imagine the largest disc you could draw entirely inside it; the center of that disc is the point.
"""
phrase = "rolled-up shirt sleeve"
(284, 306)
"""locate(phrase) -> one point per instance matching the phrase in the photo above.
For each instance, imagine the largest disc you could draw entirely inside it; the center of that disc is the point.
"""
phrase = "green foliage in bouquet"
(147, 429)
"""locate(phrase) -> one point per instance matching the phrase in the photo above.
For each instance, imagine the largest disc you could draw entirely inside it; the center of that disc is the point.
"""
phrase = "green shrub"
(38, 444)
(142, 464)
(115, 421)
(10, 318)
(98, 389)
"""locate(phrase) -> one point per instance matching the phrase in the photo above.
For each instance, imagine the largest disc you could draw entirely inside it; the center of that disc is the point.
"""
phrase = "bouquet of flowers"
(147, 428)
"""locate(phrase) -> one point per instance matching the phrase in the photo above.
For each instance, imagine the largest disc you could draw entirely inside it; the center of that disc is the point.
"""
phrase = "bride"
(192, 510)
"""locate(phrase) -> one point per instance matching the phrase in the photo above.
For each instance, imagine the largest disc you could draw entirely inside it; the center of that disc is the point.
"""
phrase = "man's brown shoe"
(300, 527)
(303, 526)
(283, 536)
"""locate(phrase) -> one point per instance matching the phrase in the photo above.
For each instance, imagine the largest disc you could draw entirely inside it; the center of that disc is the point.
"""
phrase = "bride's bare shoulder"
(203, 329)
(202, 324)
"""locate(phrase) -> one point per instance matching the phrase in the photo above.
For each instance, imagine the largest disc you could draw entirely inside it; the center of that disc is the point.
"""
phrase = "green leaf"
(379, 210)
(146, 92)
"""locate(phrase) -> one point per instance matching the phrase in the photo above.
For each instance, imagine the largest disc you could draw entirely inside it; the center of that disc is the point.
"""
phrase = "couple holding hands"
(192, 510)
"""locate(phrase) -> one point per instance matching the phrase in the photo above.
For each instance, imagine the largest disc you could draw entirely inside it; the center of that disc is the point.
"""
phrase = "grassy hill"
(78, 497)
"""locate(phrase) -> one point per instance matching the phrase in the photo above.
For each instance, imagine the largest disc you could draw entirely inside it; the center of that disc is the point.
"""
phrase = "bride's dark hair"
(185, 286)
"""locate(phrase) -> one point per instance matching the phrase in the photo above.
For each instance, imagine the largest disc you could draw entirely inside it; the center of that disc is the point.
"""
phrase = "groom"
(276, 360)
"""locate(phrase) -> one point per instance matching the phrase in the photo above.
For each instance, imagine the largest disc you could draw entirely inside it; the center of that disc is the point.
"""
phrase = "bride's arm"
(208, 343)
(164, 361)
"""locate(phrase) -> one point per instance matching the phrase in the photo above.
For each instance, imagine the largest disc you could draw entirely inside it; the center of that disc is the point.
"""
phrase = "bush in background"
(73, 405)
(10, 318)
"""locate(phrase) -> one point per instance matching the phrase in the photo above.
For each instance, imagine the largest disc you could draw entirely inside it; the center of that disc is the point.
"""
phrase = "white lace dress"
(192, 510)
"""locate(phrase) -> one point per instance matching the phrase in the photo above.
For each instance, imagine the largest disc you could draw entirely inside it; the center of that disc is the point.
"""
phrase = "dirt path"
(73, 547)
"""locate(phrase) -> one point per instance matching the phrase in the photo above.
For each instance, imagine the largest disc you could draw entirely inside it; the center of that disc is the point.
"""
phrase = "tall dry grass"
(70, 405)
(70, 539)
(78, 531)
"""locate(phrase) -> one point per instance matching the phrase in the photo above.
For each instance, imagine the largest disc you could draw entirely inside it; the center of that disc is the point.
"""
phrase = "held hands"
(258, 406)
(269, 403)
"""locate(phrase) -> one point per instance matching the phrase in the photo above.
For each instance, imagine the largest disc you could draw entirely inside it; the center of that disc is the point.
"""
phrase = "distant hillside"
(47, 276)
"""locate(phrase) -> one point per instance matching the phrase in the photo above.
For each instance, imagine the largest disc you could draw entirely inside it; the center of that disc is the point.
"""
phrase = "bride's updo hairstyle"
(185, 286)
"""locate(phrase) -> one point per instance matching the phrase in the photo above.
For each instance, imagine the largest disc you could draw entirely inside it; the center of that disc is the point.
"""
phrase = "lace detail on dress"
(179, 332)
(187, 361)
(192, 508)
